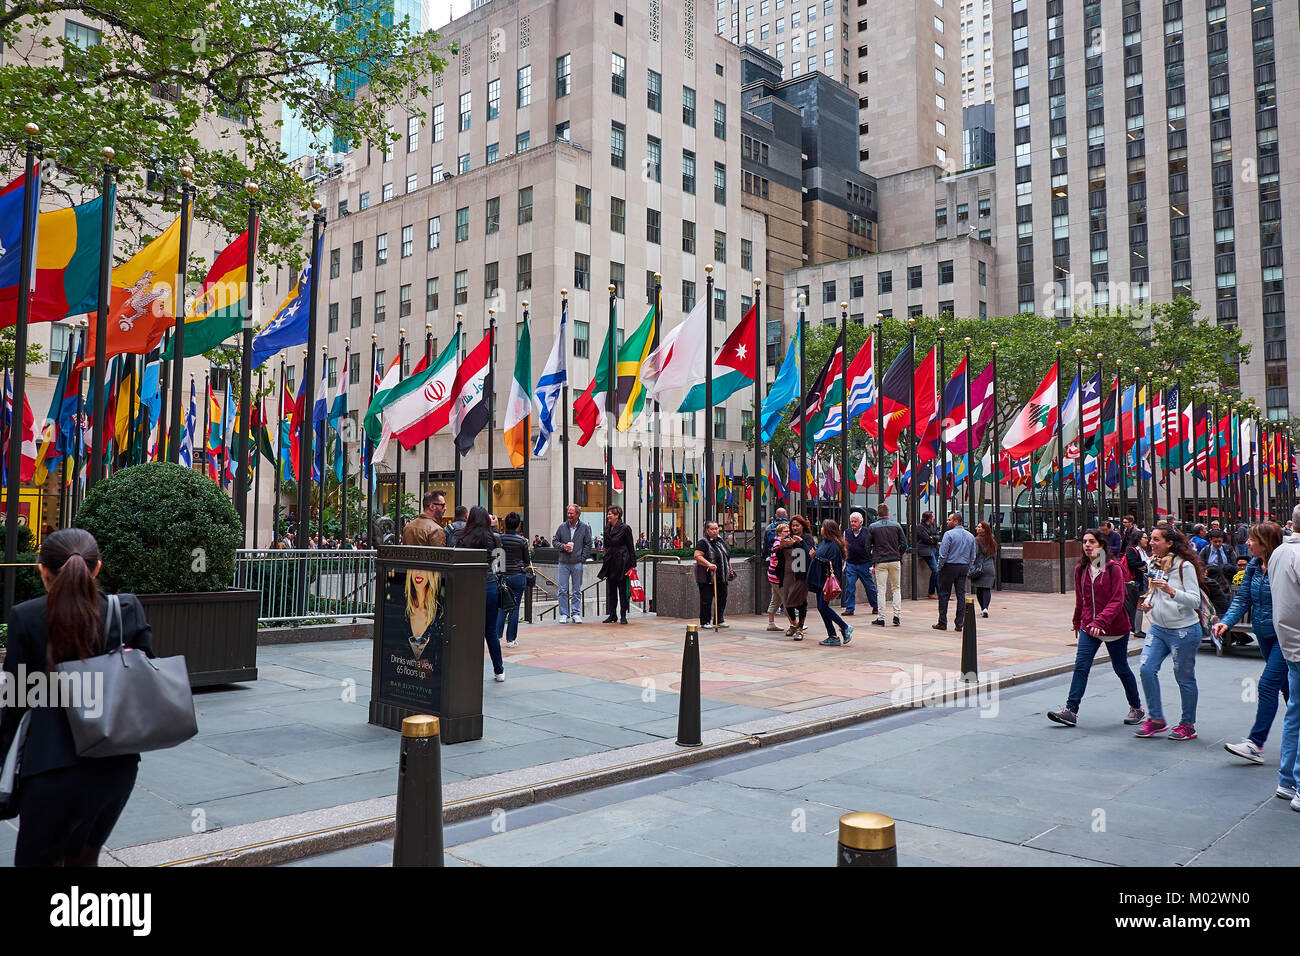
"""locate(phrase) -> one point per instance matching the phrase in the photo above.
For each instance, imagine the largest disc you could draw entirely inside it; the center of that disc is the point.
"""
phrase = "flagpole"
(320, 438)
(803, 400)
(207, 406)
(1080, 491)
(400, 487)
(844, 417)
(1140, 501)
(178, 313)
(455, 452)
(257, 480)
(970, 413)
(108, 197)
(1121, 458)
(710, 500)
(567, 412)
(246, 361)
(279, 454)
(370, 452)
(132, 403)
(912, 497)
(492, 402)
(1153, 485)
(1099, 459)
(941, 383)
(759, 376)
(656, 428)
(997, 465)
(528, 452)
(341, 430)
(611, 402)
(78, 432)
(164, 405)
(306, 431)
(1060, 473)
(879, 365)
(428, 361)
(1196, 481)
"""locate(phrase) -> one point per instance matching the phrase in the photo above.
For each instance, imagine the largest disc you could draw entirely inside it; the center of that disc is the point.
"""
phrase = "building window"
(412, 133)
(431, 294)
(581, 271)
(435, 174)
(493, 153)
(617, 215)
(582, 204)
(463, 124)
(913, 277)
(884, 283)
(688, 172)
(652, 226)
(720, 183)
(581, 339)
(523, 86)
(332, 372)
(437, 123)
(618, 74)
(491, 271)
(494, 99)
(747, 255)
(404, 301)
(914, 311)
(941, 217)
(387, 192)
(654, 91)
(82, 37)
(363, 201)
(525, 205)
(719, 423)
(462, 163)
(828, 291)
(649, 285)
(562, 67)
(562, 132)
(492, 222)
(856, 287)
(688, 236)
(719, 304)
(719, 246)
(462, 286)
(983, 274)
(354, 371)
(522, 142)
(462, 224)
(618, 145)
(335, 256)
(412, 182)
(617, 277)
(358, 252)
(435, 232)
(381, 249)
(333, 327)
(355, 316)
(945, 272)
(524, 272)
(719, 120)
(381, 306)
(688, 295)
(688, 106)
(408, 241)
(654, 158)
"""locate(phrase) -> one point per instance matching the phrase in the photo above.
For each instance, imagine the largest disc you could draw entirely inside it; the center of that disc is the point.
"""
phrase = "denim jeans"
(490, 628)
(853, 573)
(934, 573)
(516, 583)
(984, 595)
(1182, 644)
(569, 580)
(1271, 682)
(1088, 648)
(827, 610)
(1288, 770)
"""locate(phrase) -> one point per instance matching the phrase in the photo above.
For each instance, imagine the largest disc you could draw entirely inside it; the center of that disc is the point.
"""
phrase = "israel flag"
(549, 385)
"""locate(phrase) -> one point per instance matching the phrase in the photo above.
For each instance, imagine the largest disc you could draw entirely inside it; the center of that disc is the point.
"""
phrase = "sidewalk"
(580, 700)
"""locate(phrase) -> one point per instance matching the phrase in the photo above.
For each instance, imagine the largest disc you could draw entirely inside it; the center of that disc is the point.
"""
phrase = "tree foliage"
(165, 80)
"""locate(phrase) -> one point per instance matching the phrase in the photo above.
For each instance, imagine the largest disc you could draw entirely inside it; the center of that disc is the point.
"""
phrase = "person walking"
(478, 536)
(518, 557)
(857, 566)
(425, 529)
(1133, 565)
(776, 575)
(887, 545)
(798, 545)
(1099, 618)
(573, 539)
(1256, 596)
(713, 573)
(828, 559)
(1284, 574)
(927, 538)
(982, 572)
(956, 555)
(1172, 605)
(67, 805)
(620, 557)
(1111, 538)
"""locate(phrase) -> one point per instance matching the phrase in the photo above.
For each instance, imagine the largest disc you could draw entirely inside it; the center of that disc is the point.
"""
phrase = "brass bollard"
(866, 839)
(418, 838)
(688, 709)
(969, 669)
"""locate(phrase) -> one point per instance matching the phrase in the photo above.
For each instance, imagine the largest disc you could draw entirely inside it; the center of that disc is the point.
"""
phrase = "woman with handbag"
(511, 584)
(620, 557)
(798, 546)
(712, 574)
(824, 576)
(478, 536)
(981, 571)
(68, 804)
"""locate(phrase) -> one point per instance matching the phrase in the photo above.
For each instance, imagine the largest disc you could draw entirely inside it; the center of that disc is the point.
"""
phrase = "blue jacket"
(827, 551)
(1255, 595)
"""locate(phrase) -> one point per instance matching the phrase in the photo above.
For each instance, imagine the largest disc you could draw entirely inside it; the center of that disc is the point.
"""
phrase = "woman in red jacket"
(1099, 618)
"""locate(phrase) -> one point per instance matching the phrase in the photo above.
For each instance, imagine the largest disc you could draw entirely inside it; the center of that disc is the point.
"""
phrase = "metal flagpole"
(1080, 491)
(455, 452)
(178, 335)
(912, 502)
(759, 376)
(997, 481)
(492, 403)
(1060, 473)
(305, 430)
(279, 456)
(428, 360)
(1196, 481)
(611, 400)
(1140, 500)
(710, 499)
(803, 406)
(342, 430)
(528, 451)
(400, 486)
(320, 437)
(100, 393)
(970, 413)
(1121, 457)
(844, 418)
(164, 405)
(257, 478)
(942, 383)
(246, 364)
(1154, 486)
(1099, 459)
(78, 431)
(370, 451)
(654, 506)
(207, 424)
(879, 372)
(566, 412)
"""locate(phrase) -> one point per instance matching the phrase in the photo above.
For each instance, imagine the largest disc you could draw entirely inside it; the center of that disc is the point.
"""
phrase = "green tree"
(35, 354)
(161, 74)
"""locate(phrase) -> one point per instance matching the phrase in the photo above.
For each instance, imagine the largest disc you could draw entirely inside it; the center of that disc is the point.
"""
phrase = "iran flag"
(409, 406)
(1036, 423)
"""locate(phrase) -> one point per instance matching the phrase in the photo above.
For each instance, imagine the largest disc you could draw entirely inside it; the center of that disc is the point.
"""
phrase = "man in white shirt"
(1284, 581)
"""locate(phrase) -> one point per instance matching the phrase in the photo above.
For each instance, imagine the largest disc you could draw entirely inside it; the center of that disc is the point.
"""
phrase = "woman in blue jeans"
(829, 557)
(478, 536)
(1173, 609)
(518, 557)
(1256, 595)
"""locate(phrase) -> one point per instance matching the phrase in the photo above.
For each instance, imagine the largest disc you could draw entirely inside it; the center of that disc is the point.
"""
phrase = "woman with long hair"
(67, 804)
(1099, 618)
(1173, 609)
(776, 574)
(981, 573)
(1134, 561)
(478, 536)
(421, 607)
(829, 557)
(798, 545)
(519, 557)
(1256, 596)
(620, 557)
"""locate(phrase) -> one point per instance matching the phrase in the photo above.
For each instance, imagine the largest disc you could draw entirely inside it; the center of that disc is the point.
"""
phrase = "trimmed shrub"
(162, 529)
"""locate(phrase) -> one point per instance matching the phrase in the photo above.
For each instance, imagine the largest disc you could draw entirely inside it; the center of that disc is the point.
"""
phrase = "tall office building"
(1141, 157)
(976, 51)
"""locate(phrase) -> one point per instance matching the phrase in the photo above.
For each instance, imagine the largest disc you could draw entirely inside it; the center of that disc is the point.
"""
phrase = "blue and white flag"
(549, 385)
(187, 439)
(289, 327)
(784, 390)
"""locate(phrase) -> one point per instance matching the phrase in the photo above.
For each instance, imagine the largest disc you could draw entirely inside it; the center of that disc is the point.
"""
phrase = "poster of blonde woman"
(411, 653)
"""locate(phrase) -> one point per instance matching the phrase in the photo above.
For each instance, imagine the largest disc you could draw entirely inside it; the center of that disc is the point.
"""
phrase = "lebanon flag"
(1036, 422)
(469, 411)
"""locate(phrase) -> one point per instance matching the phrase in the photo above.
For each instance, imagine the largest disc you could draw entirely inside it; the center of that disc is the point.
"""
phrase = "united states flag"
(1091, 406)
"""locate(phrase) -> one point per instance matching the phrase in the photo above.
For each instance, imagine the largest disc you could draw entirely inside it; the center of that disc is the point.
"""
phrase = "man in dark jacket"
(858, 566)
(928, 536)
(887, 544)
(573, 540)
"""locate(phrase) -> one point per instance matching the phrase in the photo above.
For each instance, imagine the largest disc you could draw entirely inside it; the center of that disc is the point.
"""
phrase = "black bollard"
(866, 839)
(688, 711)
(969, 669)
(418, 839)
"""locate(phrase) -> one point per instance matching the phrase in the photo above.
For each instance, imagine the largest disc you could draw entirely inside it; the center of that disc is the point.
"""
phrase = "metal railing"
(304, 584)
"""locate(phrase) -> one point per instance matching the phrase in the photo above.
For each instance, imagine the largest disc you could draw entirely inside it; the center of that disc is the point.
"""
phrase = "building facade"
(976, 52)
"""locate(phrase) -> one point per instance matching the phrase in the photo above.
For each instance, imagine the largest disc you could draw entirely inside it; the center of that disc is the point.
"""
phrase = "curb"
(284, 839)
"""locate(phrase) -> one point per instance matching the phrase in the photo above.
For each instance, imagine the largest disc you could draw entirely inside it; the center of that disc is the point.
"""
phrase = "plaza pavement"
(584, 705)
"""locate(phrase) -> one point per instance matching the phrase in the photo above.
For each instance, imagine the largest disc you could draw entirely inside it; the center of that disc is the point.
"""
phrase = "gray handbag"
(9, 772)
(139, 703)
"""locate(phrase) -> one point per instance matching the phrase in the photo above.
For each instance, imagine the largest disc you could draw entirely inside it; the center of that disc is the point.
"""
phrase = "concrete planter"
(1040, 566)
(679, 596)
(215, 630)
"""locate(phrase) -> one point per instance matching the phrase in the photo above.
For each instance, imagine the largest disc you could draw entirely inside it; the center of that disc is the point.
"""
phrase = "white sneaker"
(500, 678)
(1295, 804)
(576, 619)
(512, 643)
(563, 619)
(1246, 750)
(1284, 793)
